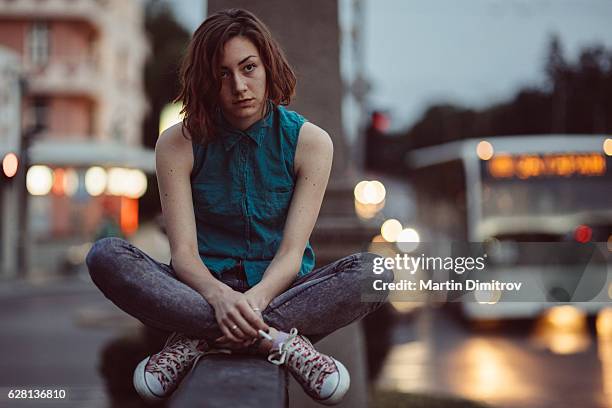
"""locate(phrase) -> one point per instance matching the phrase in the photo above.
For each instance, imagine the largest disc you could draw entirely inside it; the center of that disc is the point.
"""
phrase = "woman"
(241, 182)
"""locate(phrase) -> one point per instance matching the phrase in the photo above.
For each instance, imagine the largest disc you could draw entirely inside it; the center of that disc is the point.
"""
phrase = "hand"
(257, 300)
(235, 316)
(258, 303)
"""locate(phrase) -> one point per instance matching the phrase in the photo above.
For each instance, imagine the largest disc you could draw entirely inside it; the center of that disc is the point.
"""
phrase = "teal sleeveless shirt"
(242, 183)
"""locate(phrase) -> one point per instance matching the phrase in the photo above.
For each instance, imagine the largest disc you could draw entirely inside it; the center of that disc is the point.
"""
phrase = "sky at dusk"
(470, 52)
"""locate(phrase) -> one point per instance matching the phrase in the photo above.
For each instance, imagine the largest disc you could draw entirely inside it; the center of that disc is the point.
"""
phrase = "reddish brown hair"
(199, 73)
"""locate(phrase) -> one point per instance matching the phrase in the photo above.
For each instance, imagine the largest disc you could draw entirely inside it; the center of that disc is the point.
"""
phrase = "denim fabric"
(242, 183)
(317, 304)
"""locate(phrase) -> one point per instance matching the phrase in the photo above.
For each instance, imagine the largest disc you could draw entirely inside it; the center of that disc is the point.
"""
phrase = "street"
(53, 338)
(507, 365)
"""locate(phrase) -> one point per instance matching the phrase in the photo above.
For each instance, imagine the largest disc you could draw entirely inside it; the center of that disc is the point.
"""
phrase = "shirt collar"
(230, 135)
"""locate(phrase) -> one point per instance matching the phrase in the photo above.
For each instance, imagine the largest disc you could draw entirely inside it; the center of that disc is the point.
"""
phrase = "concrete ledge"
(233, 381)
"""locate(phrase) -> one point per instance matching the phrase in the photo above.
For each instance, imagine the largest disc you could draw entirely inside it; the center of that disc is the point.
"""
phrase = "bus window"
(440, 196)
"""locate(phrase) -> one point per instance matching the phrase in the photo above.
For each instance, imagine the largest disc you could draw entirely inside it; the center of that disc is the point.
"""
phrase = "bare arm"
(174, 161)
(313, 160)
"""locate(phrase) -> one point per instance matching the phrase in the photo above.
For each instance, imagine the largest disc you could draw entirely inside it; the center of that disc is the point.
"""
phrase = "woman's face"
(243, 83)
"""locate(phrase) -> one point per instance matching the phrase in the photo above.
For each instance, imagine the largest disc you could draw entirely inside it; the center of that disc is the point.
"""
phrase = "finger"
(243, 324)
(254, 319)
(225, 329)
(237, 331)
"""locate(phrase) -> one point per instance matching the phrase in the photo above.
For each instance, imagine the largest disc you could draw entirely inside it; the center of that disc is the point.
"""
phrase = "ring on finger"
(234, 327)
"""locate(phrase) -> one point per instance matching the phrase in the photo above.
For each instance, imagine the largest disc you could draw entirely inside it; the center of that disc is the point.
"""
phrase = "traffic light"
(10, 165)
(375, 140)
(384, 150)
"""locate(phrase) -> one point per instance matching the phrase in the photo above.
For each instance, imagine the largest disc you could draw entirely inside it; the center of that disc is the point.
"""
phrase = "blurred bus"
(518, 189)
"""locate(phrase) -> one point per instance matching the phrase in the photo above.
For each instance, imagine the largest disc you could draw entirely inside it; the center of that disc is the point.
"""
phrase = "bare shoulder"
(313, 137)
(172, 146)
(173, 139)
(314, 145)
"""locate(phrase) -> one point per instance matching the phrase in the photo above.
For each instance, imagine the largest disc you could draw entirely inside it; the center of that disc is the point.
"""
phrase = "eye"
(224, 74)
(249, 67)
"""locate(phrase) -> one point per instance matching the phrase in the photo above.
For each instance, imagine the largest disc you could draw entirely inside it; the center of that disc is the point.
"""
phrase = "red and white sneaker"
(322, 377)
(157, 376)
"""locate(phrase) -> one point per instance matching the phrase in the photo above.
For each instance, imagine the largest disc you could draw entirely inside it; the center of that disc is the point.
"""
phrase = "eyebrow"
(241, 62)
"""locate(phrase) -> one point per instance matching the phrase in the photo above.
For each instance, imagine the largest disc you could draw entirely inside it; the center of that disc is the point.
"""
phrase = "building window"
(39, 114)
(38, 43)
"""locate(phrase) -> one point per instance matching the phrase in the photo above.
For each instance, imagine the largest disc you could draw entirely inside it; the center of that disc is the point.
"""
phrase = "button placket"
(245, 190)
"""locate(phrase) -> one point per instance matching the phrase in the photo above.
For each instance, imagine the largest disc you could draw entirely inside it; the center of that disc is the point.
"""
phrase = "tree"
(576, 98)
(168, 40)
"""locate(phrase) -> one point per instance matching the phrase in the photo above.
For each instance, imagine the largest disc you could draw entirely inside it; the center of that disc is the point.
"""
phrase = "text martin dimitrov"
(451, 285)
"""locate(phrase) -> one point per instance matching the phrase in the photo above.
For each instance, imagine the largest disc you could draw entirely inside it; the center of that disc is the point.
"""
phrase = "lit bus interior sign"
(547, 165)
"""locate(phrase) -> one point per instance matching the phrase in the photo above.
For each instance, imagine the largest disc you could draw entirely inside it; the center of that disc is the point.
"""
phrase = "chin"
(249, 111)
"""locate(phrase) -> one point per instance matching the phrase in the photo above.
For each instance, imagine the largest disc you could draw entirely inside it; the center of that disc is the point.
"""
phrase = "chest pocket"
(218, 205)
(270, 206)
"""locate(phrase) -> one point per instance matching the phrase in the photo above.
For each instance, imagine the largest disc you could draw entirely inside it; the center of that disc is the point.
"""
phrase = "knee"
(377, 276)
(102, 254)
(373, 266)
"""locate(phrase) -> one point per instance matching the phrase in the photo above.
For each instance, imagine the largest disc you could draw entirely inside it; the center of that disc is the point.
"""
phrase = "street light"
(10, 164)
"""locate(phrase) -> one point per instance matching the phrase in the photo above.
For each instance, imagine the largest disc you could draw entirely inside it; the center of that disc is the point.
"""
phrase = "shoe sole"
(344, 383)
(140, 383)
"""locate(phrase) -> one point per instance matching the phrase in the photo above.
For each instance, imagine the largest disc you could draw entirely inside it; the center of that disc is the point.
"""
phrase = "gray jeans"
(317, 304)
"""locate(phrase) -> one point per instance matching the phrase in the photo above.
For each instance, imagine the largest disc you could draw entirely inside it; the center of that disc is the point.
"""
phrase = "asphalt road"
(508, 364)
(51, 339)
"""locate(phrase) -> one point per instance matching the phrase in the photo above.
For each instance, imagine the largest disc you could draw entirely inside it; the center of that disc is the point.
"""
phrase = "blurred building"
(10, 144)
(83, 66)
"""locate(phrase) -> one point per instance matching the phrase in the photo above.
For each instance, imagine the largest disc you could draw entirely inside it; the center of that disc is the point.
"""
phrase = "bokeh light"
(607, 147)
(408, 240)
(563, 330)
(484, 150)
(370, 192)
(374, 192)
(96, 179)
(603, 323)
(136, 185)
(487, 297)
(369, 198)
(118, 181)
(583, 234)
(391, 229)
(71, 182)
(39, 180)
(565, 317)
(10, 163)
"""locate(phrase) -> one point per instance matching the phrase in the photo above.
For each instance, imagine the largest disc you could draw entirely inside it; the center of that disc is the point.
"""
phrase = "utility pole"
(23, 243)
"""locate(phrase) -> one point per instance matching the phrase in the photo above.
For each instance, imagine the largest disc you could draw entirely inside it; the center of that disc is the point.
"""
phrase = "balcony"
(87, 10)
(68, 76)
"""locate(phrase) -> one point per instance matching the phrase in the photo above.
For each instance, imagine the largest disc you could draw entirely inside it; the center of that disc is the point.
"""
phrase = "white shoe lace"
(175, 357)
(307, 368)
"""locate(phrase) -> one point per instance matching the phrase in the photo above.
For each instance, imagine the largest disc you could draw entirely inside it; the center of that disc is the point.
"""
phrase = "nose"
(239, 84)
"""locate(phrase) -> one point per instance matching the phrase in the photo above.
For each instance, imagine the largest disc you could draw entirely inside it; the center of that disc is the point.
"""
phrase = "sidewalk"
(19, 288)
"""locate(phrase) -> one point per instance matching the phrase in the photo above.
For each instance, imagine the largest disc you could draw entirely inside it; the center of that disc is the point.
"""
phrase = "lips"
(243, 101)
